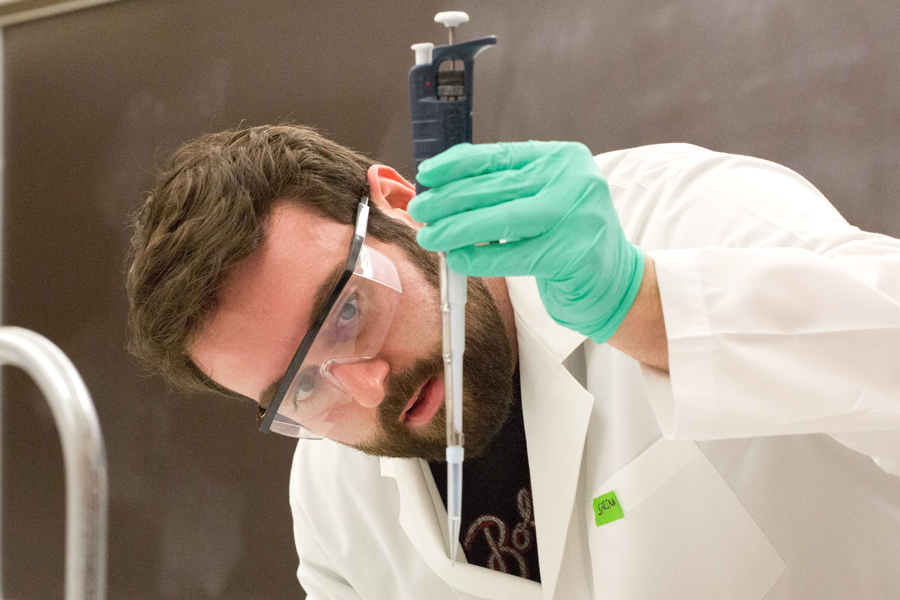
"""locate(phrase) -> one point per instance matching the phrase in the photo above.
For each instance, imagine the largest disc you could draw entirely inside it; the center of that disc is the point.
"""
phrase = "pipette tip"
(454, 539)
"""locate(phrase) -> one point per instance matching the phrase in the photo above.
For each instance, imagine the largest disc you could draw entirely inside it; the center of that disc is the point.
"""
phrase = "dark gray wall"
(94, 99)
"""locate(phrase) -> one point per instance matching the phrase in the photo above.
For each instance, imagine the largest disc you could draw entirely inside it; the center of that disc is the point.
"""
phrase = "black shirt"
(497, 529)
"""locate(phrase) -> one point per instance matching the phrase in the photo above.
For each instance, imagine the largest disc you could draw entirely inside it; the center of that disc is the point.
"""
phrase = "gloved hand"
(552, 204)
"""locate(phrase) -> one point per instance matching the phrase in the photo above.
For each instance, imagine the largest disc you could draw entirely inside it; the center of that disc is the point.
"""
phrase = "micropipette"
(441, 107)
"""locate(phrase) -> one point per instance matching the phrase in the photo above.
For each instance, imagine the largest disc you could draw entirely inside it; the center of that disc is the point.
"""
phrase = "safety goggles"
(350, 327)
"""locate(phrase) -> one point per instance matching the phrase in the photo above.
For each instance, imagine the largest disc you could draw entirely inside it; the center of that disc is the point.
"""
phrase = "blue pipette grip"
(438, 124)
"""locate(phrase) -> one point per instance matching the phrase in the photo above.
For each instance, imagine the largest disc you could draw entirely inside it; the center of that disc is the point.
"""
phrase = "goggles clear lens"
(353, 331)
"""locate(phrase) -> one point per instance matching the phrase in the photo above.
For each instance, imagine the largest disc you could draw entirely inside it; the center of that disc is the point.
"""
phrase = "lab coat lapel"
(556, 411)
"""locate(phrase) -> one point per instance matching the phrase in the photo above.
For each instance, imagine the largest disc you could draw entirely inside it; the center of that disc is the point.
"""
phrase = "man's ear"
(391, 193)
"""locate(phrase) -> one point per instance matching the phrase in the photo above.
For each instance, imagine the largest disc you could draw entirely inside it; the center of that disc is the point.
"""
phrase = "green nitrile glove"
(552, 204)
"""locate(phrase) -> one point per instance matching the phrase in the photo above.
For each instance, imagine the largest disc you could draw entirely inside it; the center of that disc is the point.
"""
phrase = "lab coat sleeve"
(781, 317)
(316, 573)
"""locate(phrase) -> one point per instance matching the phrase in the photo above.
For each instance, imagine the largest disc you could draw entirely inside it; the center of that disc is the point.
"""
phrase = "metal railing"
(84, 456)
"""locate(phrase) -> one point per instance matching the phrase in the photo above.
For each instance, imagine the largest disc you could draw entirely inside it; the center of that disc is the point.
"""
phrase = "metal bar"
(84, 456)
(22, 12)
(2, 258)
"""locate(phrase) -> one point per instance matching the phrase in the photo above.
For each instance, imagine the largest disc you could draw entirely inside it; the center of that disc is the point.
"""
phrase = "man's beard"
(487, 379)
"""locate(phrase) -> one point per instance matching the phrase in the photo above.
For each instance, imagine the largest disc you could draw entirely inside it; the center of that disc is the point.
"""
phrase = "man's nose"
(363, 379)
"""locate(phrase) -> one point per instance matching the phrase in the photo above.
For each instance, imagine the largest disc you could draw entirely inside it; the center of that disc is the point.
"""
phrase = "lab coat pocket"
(668, 526)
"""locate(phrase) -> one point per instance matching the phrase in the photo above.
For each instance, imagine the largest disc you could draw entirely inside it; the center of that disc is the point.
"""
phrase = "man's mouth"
(425, 403)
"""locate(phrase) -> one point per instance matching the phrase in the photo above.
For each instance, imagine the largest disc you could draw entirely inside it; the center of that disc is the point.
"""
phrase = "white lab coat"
(782, 320)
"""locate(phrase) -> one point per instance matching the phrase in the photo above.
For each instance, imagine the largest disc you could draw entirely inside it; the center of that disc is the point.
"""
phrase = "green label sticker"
(607, 509)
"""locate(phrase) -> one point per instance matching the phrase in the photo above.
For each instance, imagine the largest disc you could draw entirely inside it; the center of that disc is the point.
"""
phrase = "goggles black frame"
(265, 416)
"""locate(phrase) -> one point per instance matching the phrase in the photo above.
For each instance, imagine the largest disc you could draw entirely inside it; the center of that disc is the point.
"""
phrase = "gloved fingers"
(468, 160)
(520, 219)
(511, 259)
(458, 197)
(493, 260)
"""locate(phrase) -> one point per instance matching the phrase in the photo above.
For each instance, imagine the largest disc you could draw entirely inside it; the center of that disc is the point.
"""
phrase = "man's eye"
(345, 320)
(306, 383)
(349, 309)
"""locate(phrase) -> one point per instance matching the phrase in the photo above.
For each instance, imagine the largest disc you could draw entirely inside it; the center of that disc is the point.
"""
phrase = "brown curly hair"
(207, 211)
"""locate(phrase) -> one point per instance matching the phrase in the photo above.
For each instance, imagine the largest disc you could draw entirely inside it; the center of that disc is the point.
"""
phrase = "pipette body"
(441, 110)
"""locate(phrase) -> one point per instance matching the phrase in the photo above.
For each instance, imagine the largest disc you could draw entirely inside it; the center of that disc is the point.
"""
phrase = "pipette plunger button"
(451, 18)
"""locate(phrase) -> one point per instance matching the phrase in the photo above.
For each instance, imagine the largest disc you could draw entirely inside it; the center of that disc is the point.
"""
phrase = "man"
(652, 358)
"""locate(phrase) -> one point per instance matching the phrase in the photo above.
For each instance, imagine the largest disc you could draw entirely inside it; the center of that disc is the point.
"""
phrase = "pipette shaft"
(453, 311)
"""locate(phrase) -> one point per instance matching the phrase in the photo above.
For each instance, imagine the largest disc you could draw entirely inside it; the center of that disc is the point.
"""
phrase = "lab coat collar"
(558, 341)
(556, 412)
